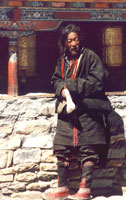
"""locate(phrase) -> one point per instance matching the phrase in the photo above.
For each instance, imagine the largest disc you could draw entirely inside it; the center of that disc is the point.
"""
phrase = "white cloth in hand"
(70, 107)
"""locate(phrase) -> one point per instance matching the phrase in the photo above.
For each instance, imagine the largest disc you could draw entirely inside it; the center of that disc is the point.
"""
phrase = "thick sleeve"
(94, 83)
(57, 81)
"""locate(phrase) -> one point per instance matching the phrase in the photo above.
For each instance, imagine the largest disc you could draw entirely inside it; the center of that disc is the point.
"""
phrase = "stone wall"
(27, 163)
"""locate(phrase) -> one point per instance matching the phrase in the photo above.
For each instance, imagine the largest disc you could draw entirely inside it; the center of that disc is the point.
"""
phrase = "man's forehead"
(72, 35)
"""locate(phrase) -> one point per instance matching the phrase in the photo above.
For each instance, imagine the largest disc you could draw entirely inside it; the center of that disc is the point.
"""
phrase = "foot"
(59, 193)
(82, 194)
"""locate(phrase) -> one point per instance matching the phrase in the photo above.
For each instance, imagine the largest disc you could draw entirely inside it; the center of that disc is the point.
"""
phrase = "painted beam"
(85, 1)
(33, 19)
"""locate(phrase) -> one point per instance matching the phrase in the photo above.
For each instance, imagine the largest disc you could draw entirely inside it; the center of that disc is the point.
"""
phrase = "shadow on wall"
(108, 177)
(3, 65)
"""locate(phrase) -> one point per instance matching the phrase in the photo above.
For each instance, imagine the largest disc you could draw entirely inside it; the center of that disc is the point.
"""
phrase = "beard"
(74, 51)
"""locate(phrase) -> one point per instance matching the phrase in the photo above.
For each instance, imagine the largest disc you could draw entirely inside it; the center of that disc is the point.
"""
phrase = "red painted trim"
(72, 15)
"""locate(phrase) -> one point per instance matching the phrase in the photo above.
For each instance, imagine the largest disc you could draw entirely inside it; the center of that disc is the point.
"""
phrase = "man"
(79, 83)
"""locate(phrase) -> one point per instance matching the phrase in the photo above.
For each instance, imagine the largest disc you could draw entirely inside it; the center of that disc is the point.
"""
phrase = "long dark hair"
(65, 32)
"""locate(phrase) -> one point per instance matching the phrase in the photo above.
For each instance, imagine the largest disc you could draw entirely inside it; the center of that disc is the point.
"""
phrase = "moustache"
(76, 48)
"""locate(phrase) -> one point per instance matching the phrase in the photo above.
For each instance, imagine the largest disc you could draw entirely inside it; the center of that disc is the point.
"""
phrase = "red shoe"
(59, 193)
(82, 194)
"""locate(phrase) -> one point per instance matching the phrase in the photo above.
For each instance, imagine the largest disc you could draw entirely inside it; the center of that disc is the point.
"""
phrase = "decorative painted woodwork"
(112, 56)
(101, 5)
(26, 19)
(73, 14)
(112, 35)
(27, 54)
(106, 1)
(112, 46)
(15, 3)
(58, 4)
(50, 19)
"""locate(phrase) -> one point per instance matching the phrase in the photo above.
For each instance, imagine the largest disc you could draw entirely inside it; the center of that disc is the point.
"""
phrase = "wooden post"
(12, 68)
(12, 75)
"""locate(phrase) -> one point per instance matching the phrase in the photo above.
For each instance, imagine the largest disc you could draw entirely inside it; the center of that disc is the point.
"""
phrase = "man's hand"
(63, 93)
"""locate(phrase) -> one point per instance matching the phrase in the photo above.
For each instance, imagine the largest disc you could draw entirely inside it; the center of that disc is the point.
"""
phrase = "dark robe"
(88, 93)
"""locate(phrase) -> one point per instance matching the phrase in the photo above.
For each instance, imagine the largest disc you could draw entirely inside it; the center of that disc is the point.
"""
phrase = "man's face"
(72, 44)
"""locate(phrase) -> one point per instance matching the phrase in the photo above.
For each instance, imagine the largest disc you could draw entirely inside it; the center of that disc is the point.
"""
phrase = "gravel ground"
(110, 198)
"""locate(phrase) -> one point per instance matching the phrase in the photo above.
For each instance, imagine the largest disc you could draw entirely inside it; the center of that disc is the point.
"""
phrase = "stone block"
(3, 158)
(44, 141)
(48, 157)
(6, 128)
(28, 195)
(106, 172)
(25, 177)
(48, 167)
(102, 183)
(116, 153)
(7, 171)
(33, 126)
(22, 156)
(6, 178)
(40, 185)
(11, 143)
(17, 186)
(26, 167)
(46, 176)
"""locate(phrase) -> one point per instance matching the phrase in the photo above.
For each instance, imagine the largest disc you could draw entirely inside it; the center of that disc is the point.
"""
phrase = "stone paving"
(96, 198)
(110, 198)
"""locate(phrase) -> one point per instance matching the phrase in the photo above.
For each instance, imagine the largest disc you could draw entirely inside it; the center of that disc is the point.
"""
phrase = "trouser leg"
(62, 191)
(88, 158)
(87, 172)
(62, 172)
